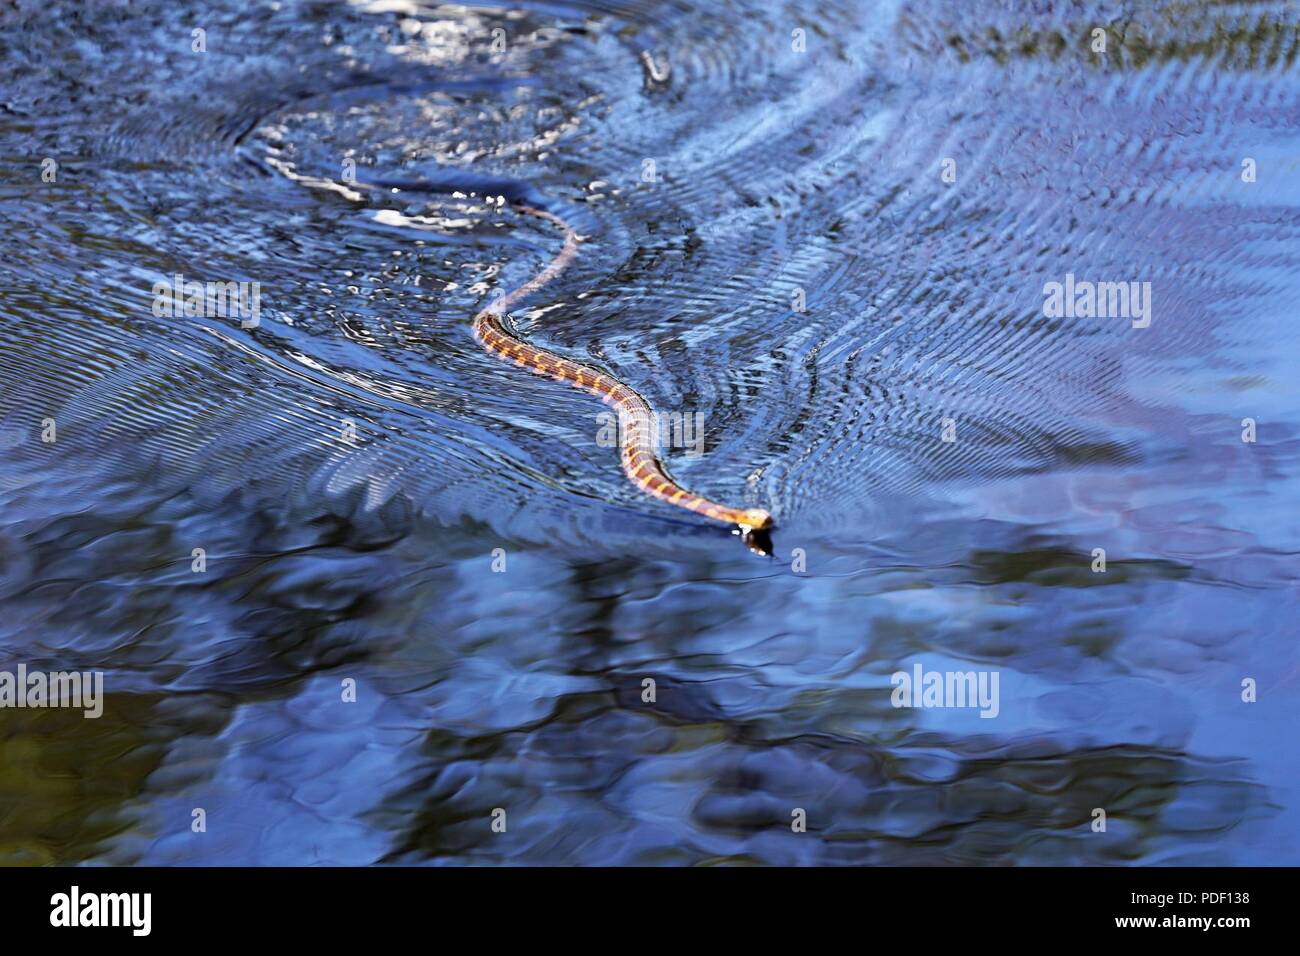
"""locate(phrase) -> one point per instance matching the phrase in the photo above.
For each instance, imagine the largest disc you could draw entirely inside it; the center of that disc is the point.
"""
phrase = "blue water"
(384, 507)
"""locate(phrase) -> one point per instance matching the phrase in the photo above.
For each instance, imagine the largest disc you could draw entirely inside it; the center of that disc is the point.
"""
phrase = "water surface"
(355, 466)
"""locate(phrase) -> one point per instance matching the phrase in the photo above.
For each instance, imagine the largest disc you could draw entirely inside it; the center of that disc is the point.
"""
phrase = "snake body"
(640, 461)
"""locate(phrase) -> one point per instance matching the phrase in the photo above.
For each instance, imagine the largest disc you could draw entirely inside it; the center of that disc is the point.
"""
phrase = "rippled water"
(778, 173)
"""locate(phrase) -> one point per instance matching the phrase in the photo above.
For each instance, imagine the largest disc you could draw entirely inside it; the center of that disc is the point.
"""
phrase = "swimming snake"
(640, 461)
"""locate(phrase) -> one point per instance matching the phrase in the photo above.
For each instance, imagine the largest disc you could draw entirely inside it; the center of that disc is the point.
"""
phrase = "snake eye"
(758, 518)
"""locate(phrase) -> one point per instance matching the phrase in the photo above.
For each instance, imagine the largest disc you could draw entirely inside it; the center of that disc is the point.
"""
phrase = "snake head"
(759, 541)
(755, 519)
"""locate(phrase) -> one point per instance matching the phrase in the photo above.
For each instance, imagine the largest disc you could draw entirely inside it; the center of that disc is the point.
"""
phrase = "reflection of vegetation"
(65, 780)
(920, 798)
(1179, 33)
(933, 799)
(1063, 567)
(276, 605)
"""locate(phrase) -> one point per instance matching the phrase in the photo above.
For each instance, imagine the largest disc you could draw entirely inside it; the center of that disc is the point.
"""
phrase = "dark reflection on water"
(370, 559)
